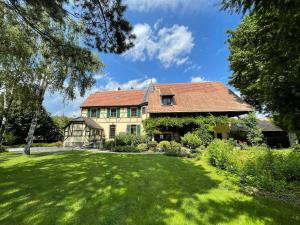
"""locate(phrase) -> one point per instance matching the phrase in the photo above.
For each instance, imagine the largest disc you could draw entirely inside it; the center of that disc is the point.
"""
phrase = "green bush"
(9, 138)
(142, 147)
(109, 145)
(259, 165)
(205, 136)
(219, 154)
(140, 139)
(126, 148)
(254, 132)
(152, 145)
(123, 139)
(175, 149)
(296, 148)
(164, 146)
(130, 139)
(191, 140)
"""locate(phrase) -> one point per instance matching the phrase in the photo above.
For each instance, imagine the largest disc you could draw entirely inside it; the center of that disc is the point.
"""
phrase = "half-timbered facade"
(123, 111)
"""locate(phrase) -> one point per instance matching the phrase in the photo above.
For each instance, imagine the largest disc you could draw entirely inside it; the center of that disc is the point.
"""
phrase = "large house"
(104, 114)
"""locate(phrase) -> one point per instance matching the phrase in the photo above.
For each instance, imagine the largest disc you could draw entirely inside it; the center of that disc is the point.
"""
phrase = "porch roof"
(88, 121)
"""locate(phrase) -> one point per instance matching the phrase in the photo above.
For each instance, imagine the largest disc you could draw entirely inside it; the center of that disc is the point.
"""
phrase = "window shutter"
(108, 113)
(128, 112)
(128, 129)
(98, 113)
(118, 112)
(89, 112)
(138, 112)
(138, 129)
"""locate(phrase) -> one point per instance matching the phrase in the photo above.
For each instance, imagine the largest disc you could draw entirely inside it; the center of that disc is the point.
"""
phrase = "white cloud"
(170, 45)
(197, 79)
(170, 5)
(99, 76)
(193, 66)
(131, 84)
(56, 105)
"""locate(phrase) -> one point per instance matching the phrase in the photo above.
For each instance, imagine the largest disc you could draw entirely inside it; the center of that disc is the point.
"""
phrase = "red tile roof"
(114, 98)
(197, 97)
(188, 97)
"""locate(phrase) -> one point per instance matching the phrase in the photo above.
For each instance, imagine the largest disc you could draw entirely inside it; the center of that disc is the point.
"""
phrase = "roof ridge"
(188, 83)
(118, 90)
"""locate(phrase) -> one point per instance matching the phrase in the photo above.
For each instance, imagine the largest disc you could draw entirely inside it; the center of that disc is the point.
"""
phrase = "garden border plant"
(259, 166)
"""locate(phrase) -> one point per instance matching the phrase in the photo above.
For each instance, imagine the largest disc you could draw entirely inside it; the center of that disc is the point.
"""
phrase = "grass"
(94, 188)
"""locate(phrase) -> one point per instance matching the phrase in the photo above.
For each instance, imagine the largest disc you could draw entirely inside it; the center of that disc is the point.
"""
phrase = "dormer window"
(167, 100)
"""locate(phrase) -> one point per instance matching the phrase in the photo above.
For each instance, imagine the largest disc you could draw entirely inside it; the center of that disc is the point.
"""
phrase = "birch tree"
(45, 68)
(16, 50)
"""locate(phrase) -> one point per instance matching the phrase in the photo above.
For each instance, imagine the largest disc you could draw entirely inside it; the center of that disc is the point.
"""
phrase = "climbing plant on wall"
(153, 125)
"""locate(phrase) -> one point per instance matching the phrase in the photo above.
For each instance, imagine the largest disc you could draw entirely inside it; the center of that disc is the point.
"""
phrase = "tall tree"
(47, 69)
(265, 57)
(15, 56)
(53, 72)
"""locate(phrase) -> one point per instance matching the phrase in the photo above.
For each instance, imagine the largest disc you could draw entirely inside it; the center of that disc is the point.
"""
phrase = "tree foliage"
(19, 122)
(257, 5)
(100, 23)
(43, 68)
(265, 58)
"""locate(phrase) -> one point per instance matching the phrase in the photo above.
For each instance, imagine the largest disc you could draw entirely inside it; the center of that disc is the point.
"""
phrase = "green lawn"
(93, 188)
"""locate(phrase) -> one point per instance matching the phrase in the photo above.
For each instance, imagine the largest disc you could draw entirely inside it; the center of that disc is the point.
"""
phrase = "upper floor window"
(94, 113)
(167, 100)
(134, 112)
(113, 112)
(144, 110)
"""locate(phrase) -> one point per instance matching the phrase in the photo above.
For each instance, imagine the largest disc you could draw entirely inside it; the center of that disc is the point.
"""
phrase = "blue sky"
(177, 41)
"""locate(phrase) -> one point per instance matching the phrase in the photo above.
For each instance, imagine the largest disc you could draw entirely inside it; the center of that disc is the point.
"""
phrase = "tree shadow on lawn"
(92, 188)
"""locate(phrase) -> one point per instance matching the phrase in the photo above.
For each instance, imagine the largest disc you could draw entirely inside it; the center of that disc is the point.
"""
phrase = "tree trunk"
(34, 121)
(30, 134)
(2, 128)
(40, 92)
(6, 107)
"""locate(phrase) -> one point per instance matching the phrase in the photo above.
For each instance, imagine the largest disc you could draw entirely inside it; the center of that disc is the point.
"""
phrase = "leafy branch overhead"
(99, 23)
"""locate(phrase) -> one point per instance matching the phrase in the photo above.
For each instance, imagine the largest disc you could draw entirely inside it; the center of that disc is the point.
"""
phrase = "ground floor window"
(133, 129)
(112, 131)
